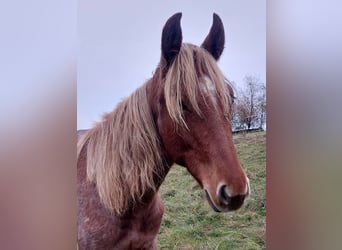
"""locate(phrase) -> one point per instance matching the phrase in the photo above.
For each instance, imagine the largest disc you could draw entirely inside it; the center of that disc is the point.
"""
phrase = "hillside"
(190, 223)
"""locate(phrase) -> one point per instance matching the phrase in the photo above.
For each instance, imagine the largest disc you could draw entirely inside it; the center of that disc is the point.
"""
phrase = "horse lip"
(211, 203)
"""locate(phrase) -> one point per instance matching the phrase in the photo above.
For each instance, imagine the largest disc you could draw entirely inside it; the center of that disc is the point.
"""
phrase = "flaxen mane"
(124, 151)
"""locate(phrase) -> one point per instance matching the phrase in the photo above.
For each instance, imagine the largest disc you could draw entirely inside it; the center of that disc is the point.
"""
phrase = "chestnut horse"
(181, 115)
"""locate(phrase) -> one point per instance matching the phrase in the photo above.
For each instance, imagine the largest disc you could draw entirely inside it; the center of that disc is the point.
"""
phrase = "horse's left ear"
(214, 42)
(171, 38)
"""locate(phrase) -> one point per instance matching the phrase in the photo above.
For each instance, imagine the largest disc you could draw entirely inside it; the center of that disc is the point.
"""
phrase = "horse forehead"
(208, 86)
(208, 83)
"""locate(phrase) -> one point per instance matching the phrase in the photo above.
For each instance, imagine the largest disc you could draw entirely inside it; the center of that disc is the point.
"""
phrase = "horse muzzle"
(224, 200)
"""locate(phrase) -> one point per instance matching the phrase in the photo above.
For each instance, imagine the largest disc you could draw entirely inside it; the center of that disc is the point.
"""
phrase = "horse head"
(191, 106)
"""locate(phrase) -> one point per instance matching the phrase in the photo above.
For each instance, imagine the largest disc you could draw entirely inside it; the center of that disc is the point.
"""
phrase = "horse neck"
(151, 198)
(153, 85)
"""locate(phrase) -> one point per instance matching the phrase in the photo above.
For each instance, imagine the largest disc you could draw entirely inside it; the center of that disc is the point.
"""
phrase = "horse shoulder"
(100, 229)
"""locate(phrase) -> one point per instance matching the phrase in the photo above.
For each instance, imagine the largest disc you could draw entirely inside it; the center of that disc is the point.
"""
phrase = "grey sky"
(119, 45)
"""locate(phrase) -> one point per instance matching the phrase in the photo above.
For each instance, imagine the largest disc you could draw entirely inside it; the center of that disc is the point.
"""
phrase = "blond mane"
(124, 151)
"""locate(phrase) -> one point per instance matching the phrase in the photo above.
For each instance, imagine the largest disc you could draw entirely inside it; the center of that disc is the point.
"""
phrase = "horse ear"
(171, 38)
(214, 42)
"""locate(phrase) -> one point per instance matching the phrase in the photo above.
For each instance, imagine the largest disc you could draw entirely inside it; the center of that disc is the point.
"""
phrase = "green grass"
(190, 223)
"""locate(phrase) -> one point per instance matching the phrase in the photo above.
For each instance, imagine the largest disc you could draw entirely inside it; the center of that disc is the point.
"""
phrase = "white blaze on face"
(209, 87)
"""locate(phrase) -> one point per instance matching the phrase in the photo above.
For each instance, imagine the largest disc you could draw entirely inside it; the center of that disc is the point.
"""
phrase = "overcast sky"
(119, 45)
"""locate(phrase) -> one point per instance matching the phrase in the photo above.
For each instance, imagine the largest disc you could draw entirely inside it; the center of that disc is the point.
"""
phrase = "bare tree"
(262, 106)
(250, 105)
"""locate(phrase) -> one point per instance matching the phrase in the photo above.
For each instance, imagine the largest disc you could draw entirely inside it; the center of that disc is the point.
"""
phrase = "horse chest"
(98, 229)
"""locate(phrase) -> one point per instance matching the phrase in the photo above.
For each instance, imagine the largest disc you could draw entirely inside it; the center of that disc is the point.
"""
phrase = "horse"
(181, 115)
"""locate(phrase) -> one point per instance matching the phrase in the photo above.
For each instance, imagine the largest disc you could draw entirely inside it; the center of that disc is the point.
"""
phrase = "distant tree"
(250, 105)
(262, 106)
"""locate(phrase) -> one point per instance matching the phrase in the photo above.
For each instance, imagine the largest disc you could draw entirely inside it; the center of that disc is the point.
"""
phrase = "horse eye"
(184, 107)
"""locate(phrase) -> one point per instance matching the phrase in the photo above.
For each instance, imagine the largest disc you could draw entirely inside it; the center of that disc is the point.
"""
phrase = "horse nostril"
(233, 202)
(223, 195)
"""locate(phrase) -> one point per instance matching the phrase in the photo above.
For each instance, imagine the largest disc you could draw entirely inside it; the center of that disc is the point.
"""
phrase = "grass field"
(190, 223)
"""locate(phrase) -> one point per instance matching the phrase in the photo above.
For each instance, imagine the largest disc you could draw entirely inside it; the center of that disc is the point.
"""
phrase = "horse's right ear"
(171, 38)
